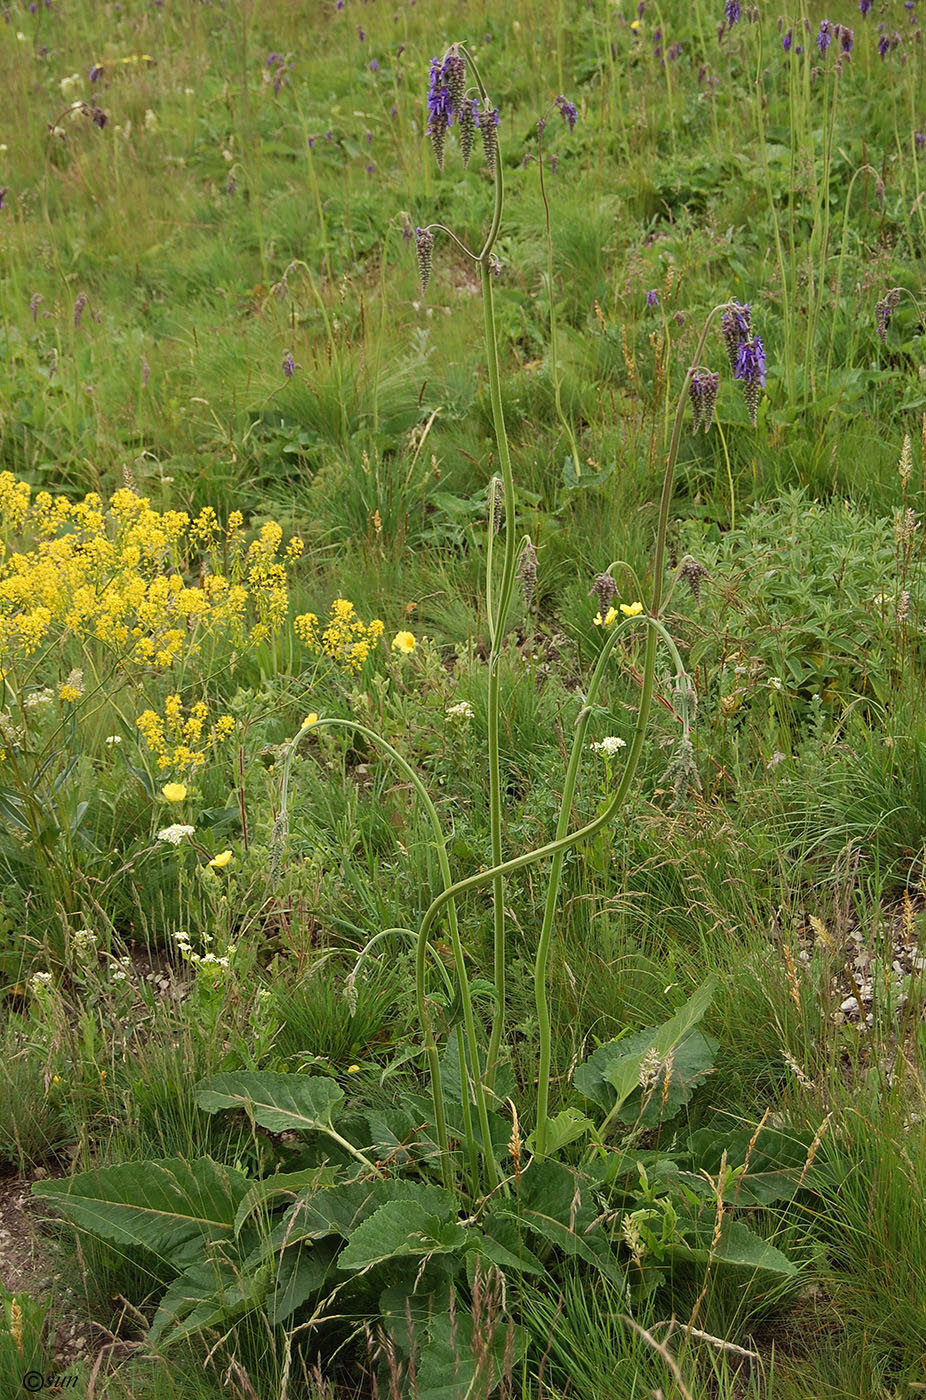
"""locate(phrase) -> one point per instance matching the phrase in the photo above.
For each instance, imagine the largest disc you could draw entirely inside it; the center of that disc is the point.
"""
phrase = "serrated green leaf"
(209, 1292)
(737, 1247)
(168, 1207)
(279, 1102)
(399, 1229)
(566, 1127)
(283, 1184)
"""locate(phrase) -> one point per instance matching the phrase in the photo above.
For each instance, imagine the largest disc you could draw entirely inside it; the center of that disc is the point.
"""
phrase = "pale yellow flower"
(220, 861)
(631, 609)
(174, 792)
(608, 618)
(404, 642)
(310, 720)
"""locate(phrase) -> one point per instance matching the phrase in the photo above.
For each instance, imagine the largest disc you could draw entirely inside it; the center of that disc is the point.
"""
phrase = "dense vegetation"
(658, 1126)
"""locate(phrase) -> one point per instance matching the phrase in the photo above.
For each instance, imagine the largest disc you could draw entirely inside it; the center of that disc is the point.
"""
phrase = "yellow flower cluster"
(181, 741)
(148, 583)
(345, 638)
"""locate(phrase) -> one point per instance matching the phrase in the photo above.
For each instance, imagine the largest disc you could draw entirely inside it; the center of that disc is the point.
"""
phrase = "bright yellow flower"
(404, 642)
(174, 792)
(631, 609)
(353, 1069)
(608, 618)
(310, 720)
(220, 861)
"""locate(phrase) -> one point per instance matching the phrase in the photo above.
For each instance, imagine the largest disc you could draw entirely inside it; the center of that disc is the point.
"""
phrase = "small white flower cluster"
(609, 745)
(175, 834)
(38, 697)
(463, 710)
(40, 983)
(113, 739)
(210, 962)
(84, 941)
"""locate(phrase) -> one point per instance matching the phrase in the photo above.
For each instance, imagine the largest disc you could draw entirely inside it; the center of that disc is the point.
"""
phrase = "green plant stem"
(500, 613)
(575, 762)
(420, 982)
(554, 354)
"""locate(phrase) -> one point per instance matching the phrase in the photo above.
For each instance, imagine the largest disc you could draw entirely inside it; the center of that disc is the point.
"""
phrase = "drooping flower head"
(424, 245)
(750, 368)
(788, 41)
(735, 327)
(865, 6)
(703, 388)
(885, 310)
(652, 297)
(824, 35)
(732, 11)
(567, 111)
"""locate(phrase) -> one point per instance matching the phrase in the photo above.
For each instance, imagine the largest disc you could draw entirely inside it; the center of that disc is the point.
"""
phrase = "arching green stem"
(420, 981)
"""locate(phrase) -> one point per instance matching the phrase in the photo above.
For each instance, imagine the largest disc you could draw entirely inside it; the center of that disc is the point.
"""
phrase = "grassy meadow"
(332, 1065)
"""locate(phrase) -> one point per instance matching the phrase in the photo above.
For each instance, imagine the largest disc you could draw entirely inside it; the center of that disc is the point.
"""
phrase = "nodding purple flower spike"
(289, 364)
(750, 368)
(703, 388)
(79, 305)
(96, 73)
(4, 189)
(652, 297)
(373, 65)
(469, 121)
(865, 6)
(884, 45)
(787, 41)
(567, 111)
(424, 244)
(846, 39)
(361, 33)
(919, 138)
(98, 117)
(825, 35)
(35, 301)
(735, 329)
(488, 126)
(884, 310)
(732, 12)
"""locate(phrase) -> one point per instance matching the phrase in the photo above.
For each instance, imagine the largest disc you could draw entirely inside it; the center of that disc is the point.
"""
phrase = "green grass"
(214, 226)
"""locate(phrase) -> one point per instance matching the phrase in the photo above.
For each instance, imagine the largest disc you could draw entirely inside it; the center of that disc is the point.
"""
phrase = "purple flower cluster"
(745, 352)
(825, 35)
(732, 12)
(652, 297)
(567, 111)
(865, 6)
(448, 102)
(278, 71)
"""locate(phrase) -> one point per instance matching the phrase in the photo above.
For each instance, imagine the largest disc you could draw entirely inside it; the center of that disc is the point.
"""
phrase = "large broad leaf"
(454, 1363)
(399, 1229)
(500, 1242)
(566, 1127)
(273, 1190)
(737, 1247)
(302, 1273)
(339, 1210)
(209, 1292)
(776, 1169)
(611, 1076)
(168, 1207)
(555, 1204)
(279, 1102)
